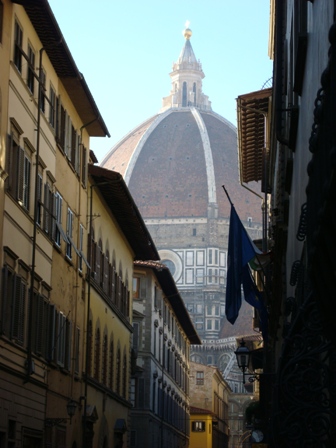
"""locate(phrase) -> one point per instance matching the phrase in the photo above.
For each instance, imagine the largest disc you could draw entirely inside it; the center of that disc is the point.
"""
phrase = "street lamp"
(243, 357)
(71, 410)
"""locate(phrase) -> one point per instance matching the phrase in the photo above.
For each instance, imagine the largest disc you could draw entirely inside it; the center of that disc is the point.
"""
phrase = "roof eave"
(119, 201)
(51, 37)
(173, 296)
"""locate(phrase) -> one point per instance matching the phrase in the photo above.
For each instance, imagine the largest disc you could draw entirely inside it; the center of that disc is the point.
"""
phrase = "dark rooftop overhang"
(252, 110)
(116, 194)
(46, 26)
(172, 294)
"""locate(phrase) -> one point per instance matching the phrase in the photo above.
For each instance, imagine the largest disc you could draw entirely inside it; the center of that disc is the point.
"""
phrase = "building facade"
(44, 156)
(209, 398)
(300, 351)
(162, 336)
(69, 234)
(118, 236)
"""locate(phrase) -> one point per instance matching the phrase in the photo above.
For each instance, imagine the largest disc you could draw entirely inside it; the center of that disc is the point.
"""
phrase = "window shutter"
(18, 317)
(62, 127)
(26, 183)
(61, 333)
(44, 332)
(51, 336)
(20, 174)
(9, 161)
(40, 340)
(7, 299)
(68, 344)
(73, 147)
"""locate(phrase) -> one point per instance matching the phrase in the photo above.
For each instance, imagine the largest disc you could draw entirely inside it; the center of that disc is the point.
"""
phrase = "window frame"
(31, 68)
(18, 40)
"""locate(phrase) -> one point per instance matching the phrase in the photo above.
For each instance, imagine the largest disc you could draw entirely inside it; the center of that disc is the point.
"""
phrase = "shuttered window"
(48, 209)
(52, 107)
(19, 172)
(13, 309)
(58, 200)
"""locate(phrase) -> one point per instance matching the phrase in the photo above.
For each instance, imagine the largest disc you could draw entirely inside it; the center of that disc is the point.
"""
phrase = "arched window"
(114, 280)
(118, 370)
(119, 289)
(194, 91)
(111, 363)
(97, 355)
(104, 360)
(184, 94)
(107, 271)
(124, 376)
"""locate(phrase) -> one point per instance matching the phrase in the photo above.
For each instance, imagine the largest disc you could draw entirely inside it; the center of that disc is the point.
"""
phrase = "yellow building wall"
(201, 439)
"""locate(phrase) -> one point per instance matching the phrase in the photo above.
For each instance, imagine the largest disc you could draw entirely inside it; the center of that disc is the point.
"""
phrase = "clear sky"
(125, 50)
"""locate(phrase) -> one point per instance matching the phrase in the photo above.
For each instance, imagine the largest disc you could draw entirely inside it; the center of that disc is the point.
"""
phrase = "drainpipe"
(278, 70)
(29, 365)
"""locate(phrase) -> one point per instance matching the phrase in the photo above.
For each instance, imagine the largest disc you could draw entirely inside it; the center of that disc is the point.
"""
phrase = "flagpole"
(227, 194)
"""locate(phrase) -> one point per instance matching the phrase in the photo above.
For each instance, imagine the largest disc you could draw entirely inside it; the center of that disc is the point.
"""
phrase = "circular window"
(173, 262)
(170, 265)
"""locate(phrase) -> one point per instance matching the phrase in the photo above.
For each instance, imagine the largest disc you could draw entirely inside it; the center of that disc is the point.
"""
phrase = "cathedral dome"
(175, 165)
(176, 162)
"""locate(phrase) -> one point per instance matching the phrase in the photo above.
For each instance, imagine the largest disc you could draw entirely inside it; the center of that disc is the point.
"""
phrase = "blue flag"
(240, 251)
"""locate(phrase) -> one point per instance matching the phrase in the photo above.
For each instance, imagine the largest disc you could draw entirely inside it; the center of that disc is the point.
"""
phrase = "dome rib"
(210, 170)
(140, 144)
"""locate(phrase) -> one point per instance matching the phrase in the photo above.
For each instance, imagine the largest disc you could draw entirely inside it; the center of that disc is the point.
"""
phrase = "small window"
(136, 287)
(198, 426)
(199, 378)
(18, 46)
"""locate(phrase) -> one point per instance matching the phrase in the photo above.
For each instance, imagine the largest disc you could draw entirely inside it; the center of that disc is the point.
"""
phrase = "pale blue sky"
(125, 50)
